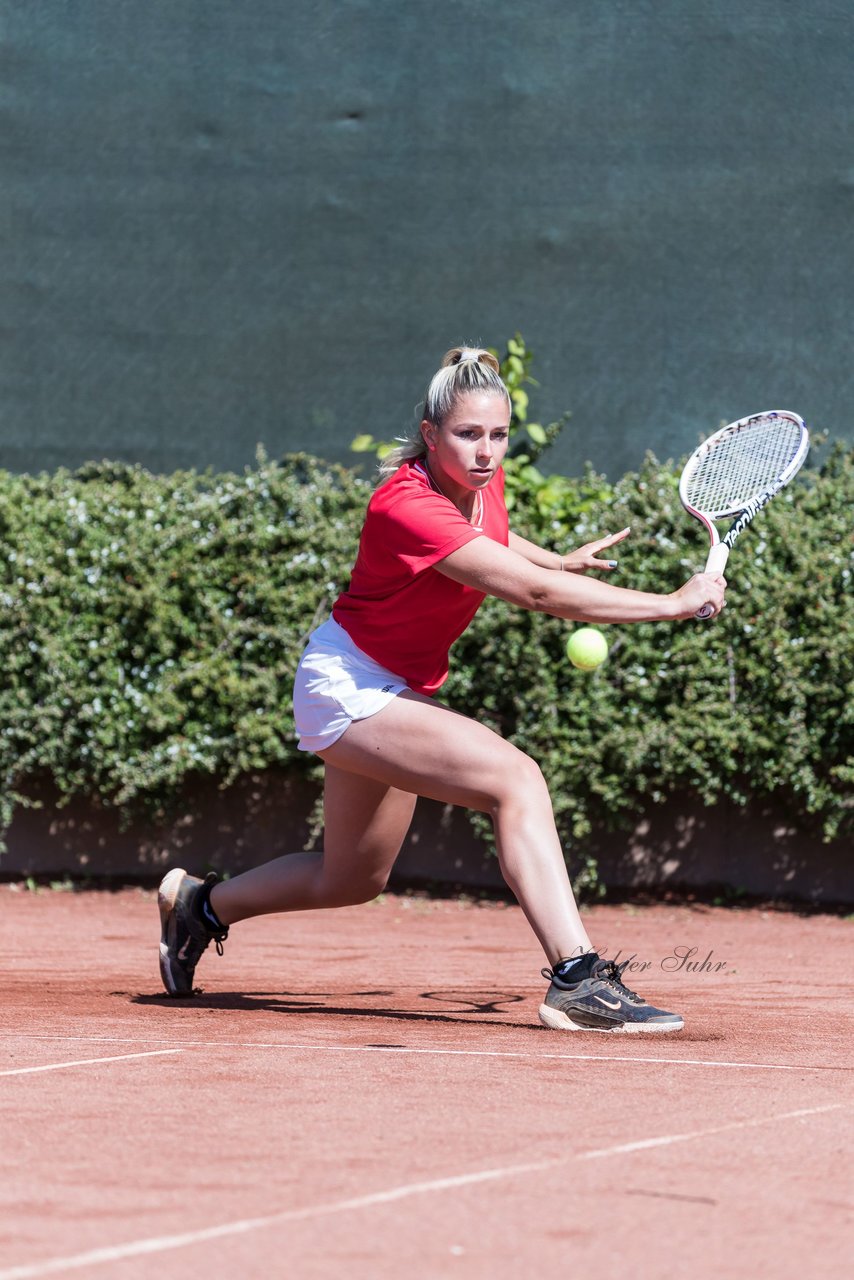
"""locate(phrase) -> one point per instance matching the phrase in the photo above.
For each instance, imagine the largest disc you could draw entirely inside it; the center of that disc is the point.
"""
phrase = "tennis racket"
(736, 472)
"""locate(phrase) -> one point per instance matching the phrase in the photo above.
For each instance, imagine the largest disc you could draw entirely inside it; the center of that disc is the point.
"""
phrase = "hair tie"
(469, 354)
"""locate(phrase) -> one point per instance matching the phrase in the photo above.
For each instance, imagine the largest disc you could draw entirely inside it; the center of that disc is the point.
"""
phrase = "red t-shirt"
(398, 608)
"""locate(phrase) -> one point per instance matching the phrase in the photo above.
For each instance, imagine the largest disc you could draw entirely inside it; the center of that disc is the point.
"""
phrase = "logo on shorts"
(387, 688)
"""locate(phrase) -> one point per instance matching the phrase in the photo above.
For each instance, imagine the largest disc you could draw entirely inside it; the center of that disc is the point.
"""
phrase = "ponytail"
(463, 369)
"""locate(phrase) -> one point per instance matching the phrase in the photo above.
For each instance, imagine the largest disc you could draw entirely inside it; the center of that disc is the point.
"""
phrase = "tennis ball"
(587, 648)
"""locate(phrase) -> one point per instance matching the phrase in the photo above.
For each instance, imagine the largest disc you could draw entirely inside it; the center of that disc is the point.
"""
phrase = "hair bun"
(470, 355)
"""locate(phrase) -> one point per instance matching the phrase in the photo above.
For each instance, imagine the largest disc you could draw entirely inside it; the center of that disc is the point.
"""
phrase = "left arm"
(575, 561)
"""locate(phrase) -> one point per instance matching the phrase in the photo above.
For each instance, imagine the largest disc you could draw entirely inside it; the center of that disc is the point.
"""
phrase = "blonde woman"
(434, 544)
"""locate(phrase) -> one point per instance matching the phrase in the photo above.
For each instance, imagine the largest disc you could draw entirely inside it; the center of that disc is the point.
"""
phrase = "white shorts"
(335, 684)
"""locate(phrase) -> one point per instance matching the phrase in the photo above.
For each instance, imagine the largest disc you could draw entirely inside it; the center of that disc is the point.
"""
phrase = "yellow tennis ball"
(587, 648)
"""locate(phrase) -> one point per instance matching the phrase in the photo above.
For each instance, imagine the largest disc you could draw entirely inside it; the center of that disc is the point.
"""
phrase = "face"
(469, 446)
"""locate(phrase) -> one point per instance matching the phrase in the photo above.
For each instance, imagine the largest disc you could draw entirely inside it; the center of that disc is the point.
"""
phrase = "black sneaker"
(184, 935)
(597, 1000)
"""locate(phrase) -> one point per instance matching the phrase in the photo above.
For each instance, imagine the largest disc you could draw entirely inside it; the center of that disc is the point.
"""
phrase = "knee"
(366, 890)
(355, 889)
(523, 784)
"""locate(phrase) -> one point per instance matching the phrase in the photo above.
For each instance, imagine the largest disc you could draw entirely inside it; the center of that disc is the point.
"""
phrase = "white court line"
(161, 1244)
(452, 1053)
(87, 1062)
(647, 1144)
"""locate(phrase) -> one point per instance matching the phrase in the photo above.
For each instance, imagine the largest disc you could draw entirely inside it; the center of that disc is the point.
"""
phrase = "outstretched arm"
(574, 561)
(501, 571)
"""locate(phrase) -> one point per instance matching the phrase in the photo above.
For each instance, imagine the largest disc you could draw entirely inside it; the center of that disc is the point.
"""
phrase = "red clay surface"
(367, 1093)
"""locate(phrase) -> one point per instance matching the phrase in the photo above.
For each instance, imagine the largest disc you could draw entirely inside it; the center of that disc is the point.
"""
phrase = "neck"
(463, 499)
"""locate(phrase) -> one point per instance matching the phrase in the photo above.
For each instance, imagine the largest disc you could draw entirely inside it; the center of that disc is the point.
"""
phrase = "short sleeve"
(423, 528)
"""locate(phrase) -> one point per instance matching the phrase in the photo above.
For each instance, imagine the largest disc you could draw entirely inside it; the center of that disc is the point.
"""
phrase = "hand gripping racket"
(736, 471)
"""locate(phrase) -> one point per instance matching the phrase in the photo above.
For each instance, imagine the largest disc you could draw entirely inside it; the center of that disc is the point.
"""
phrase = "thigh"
(365, 822)
(415, 744)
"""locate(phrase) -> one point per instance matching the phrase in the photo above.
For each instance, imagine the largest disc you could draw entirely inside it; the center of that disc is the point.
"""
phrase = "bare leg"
(365, 823)
(416, 745)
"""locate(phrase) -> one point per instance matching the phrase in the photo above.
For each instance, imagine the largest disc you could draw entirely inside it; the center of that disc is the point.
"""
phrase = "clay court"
(370, 1094)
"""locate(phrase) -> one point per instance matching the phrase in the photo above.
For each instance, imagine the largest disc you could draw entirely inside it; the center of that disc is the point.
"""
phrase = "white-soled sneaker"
(597, 1000)
(184, 937)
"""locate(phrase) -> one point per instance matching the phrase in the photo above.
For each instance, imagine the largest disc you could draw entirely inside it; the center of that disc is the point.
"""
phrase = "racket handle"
(715, 563)
(717, 558)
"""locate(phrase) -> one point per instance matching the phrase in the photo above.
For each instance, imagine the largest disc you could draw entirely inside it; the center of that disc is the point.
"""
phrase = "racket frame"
(720, 547)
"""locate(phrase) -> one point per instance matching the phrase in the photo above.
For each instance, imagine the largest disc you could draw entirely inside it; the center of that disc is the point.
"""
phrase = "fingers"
(610, 539)
(586, 556)
(715, 585)
(703, 595)
(585, 562)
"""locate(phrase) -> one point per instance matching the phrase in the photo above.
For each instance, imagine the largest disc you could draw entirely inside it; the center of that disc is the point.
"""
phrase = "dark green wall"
(225, 223)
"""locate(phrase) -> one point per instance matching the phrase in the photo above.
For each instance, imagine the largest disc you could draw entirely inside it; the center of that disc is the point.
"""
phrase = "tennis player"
(435, 542)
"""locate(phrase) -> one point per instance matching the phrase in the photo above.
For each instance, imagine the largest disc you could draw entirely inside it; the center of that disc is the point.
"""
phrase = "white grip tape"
(715, 563)
(717, 558)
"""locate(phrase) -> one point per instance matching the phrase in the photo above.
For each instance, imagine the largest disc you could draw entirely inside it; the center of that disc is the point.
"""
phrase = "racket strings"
(741, 463)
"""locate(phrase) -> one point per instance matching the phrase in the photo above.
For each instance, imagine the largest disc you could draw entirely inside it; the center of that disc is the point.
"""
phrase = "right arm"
(498, 571)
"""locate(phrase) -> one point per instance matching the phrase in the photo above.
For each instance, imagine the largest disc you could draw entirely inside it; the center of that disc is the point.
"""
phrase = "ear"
(428, 433)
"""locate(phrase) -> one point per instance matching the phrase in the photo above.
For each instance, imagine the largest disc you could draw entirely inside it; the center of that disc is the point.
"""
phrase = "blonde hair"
(463, 369)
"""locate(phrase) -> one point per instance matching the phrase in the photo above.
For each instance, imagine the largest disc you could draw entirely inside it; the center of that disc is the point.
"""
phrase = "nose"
(484, 448)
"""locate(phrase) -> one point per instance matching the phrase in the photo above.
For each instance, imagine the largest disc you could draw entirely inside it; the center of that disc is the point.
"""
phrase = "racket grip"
(717, 558)
(715, 563)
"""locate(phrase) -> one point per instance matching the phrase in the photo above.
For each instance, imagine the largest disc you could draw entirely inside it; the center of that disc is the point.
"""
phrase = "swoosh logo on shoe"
(607, 1003)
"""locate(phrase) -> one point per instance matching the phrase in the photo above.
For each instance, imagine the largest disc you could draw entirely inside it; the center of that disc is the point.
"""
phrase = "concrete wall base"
(676, 847)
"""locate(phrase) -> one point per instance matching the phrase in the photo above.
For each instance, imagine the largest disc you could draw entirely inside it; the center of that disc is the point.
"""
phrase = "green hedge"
(758, 705)
(150, 627)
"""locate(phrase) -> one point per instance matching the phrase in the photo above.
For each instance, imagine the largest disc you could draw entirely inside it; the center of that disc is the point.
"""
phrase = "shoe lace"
(218, 937)
(612, 974)
(196, 947)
